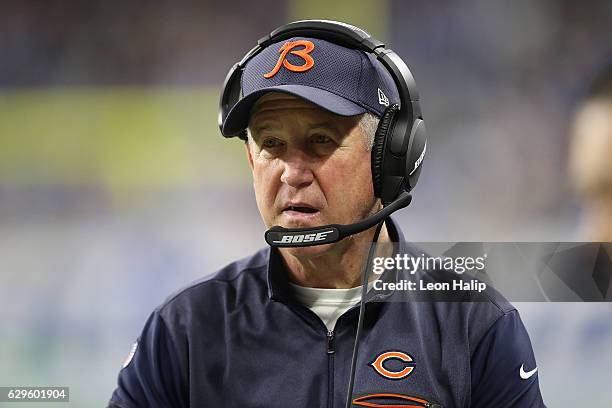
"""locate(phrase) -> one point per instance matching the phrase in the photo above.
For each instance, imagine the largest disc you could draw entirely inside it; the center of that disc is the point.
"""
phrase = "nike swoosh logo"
(525, 375)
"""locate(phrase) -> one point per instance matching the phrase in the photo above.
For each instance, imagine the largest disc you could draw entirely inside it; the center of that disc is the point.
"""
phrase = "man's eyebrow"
(330, 124)
(263, 126)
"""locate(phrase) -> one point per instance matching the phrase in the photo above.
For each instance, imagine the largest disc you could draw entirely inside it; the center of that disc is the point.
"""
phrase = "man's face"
(310, 167)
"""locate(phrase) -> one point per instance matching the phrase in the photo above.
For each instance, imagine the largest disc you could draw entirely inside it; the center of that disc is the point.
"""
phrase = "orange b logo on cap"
(288, 47)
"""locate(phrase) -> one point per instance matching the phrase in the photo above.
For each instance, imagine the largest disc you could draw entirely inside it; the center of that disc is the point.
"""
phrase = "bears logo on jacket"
(379, 365)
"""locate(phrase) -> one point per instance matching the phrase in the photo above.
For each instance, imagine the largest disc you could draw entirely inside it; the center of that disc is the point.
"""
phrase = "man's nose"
(297, 171)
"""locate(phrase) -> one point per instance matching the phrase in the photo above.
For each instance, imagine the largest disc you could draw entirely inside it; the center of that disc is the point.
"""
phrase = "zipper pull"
(330, 342)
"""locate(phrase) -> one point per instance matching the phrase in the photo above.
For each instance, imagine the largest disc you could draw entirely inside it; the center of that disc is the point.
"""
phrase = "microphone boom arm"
(306, 236)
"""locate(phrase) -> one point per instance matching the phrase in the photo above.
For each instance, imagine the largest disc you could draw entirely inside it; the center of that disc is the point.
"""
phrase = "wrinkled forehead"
(273, 104)
(278, 101)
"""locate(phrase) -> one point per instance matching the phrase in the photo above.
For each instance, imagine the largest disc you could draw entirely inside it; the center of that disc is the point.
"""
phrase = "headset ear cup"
(378, 148)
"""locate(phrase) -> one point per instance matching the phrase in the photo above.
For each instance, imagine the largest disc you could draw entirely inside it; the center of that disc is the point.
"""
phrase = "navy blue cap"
(341, 80)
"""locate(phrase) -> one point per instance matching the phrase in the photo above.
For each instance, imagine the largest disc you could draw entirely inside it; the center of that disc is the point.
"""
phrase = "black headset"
(400, 141)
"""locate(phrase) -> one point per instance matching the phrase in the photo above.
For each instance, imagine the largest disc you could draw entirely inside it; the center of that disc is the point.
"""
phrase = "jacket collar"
(278, 282)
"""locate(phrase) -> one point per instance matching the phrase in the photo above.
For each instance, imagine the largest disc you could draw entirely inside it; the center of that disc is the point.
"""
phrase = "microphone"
(281, 237)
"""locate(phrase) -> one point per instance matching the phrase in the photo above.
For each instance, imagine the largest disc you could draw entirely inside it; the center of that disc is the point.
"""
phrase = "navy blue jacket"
(239, 339)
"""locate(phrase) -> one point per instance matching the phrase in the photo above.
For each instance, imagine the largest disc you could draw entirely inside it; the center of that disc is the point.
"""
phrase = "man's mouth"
(301, 209)
(301, 213)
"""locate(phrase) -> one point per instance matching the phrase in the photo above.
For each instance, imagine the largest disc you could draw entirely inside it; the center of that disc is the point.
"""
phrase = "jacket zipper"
(413, 400)
(331, 350)
(330, 342)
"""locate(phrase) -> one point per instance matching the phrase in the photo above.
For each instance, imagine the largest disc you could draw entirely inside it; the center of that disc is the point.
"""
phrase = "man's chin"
(293, 219)
(308, 252)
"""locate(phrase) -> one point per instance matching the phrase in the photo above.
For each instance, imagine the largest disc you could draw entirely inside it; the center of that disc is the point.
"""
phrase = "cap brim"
(238, 118)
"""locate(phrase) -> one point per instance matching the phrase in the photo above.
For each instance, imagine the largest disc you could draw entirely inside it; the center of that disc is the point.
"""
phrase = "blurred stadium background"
(116, 188)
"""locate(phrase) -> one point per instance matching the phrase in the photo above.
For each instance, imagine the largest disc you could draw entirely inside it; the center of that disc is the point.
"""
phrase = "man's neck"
(338, 268)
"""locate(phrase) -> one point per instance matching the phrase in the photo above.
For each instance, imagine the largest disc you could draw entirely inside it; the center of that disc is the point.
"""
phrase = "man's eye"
(271, 143)
(320, 139)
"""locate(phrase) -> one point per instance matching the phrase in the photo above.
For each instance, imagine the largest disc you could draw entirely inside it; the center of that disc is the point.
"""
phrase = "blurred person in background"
(591, 157)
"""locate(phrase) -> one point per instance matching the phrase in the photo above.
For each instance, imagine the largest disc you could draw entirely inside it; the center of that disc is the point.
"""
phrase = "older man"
(277, 329)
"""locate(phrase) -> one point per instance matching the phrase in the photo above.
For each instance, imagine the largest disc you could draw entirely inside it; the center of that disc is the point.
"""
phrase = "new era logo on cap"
(382, 98)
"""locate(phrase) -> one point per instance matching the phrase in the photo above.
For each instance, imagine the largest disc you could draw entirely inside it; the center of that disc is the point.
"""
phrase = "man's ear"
(248, 153)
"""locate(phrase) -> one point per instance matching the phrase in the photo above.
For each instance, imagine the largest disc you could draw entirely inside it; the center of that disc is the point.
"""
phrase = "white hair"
(368, 123)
